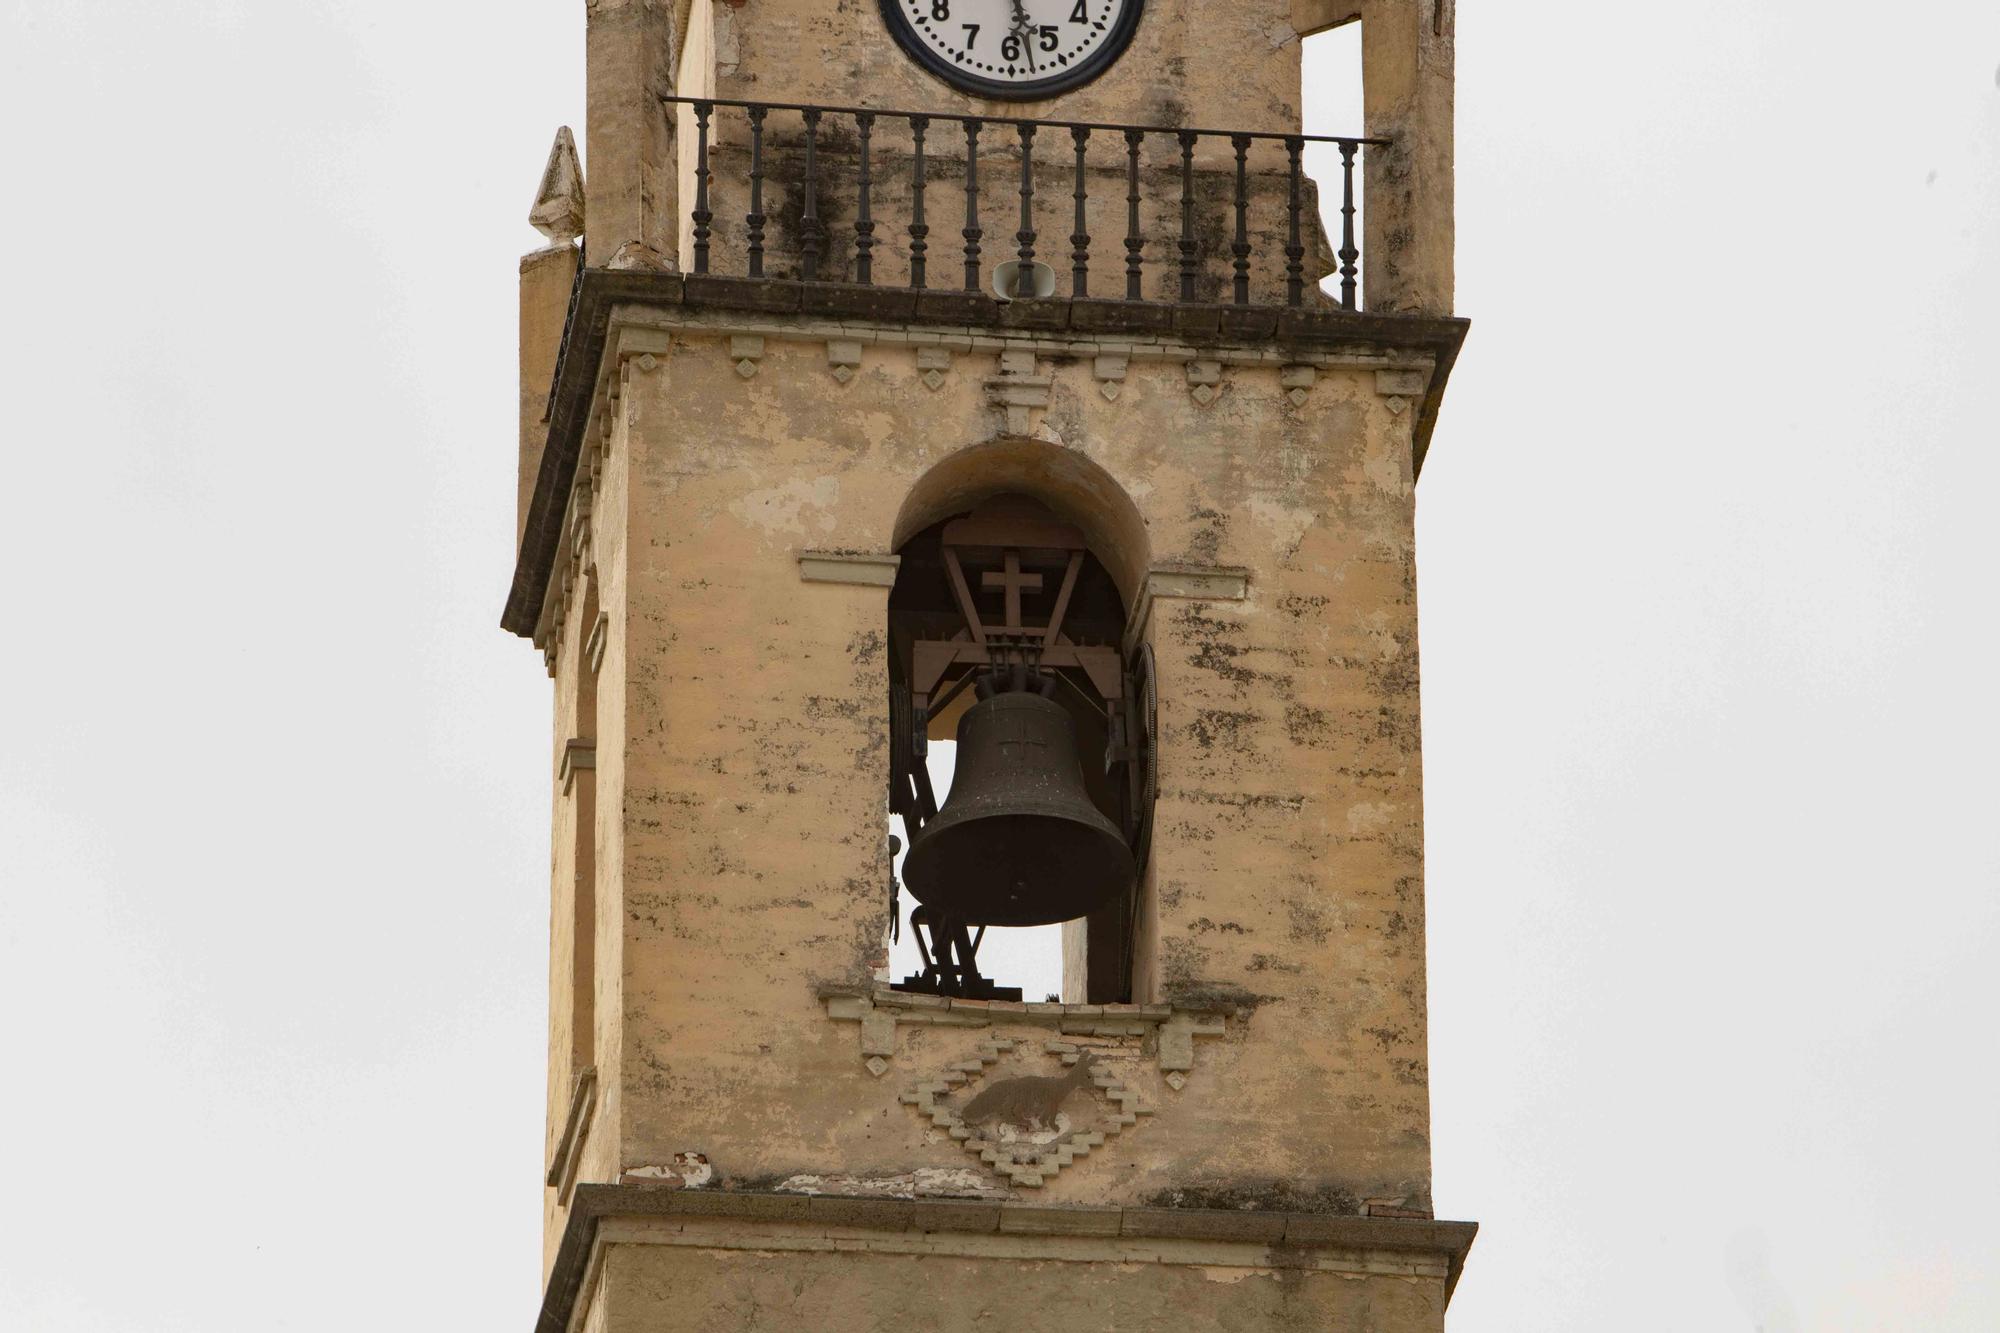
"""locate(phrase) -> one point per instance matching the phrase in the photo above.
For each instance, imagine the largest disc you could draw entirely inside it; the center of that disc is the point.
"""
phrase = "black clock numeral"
(1031, 54)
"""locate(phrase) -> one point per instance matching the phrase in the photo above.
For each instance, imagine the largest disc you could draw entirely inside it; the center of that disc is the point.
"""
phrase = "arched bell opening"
(1005, 633)
(1065, 481)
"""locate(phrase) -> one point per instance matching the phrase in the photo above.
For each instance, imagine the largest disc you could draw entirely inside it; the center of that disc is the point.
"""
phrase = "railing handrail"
(1193, 253)
(969, 117)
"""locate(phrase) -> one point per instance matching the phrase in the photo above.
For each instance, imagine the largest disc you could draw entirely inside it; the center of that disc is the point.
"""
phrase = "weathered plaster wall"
(1408, 63)
(753, 868)
(741, 760)
(592, 557)
(565, 829)
(1227, 63)
(546, 276)
(630, 47)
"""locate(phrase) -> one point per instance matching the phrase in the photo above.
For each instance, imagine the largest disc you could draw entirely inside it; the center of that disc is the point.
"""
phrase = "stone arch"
(1067, 492)
(1073, 486)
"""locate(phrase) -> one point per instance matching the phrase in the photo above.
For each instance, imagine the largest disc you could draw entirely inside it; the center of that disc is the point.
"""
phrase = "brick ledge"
(1283, 1231)
(1311, 326)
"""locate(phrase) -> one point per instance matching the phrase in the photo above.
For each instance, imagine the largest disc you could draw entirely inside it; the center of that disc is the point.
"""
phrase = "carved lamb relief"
(1027, 1127)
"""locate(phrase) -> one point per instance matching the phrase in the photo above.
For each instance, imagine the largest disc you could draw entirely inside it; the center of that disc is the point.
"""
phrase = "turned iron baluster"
(864, 221)
(809, 240)
(754, 220)
(1024, 279)
(972, 231)
(1241, 247)
(1349, 252)
(1189, 249)
(919, 229)
(702, 215)
(1295, 246)
(1135, 241)
(1080, 238)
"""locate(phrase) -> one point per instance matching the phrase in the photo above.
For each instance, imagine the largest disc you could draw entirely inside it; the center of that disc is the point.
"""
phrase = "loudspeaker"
(1007, 281)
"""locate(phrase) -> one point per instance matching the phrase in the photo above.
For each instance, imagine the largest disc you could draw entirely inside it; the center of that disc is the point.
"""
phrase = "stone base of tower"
(637, 1258)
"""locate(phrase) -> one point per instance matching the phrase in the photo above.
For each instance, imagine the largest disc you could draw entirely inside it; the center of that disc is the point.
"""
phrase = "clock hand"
(1024, 29)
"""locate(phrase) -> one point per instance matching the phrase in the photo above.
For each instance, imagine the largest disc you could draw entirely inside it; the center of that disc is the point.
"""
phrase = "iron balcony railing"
(802, 188)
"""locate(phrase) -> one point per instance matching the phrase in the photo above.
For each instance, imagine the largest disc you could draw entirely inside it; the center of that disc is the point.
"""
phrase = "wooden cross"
(1013, 581)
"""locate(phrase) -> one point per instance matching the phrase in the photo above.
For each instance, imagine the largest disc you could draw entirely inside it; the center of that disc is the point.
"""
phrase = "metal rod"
(814, 236)
(1135, 241)
(943, 701)
(972, 230)
(864, 221)
(1349, 252)
(1080, 238)
(1189, 249)
(809, 216)
(1024, 278)
(1272, 135)
(702, 215)
(755, 219)
(919, 229)
(1295, 246)
(1241, 247)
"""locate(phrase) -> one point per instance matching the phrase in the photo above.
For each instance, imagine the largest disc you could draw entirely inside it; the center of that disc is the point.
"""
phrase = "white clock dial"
(1013, 48)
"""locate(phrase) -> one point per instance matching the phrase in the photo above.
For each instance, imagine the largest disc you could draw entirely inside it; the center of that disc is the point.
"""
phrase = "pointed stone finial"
(558, 210)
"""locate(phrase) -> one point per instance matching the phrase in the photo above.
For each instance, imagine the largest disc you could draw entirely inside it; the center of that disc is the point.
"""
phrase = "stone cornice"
(1267, 1238)
(1279, 336)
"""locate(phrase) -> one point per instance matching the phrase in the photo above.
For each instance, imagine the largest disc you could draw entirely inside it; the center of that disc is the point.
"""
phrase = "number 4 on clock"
(1081, 14)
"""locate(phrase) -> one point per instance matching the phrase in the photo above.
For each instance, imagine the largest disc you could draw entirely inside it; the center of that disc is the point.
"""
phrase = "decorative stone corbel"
(1018, 391)
(1399, 387)
(746, 350)
(1110, 369)
(1298, 382)
(843, 357)
(1177, 1036)
(935, 363)
(1205, 381)
(878, 1025)
(640, 350)
(578, 754)
(580, 503)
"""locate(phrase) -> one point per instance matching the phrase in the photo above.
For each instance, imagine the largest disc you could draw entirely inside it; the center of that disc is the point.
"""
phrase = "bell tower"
(1015, 379)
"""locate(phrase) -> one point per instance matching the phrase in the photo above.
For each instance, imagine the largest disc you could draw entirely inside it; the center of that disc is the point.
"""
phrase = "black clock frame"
(1041, 89)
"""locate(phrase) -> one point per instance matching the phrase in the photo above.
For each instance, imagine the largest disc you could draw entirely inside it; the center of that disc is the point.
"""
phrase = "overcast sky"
(1708, 549)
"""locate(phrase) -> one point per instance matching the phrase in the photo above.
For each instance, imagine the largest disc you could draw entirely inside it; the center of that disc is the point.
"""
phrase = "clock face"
(1018, 49)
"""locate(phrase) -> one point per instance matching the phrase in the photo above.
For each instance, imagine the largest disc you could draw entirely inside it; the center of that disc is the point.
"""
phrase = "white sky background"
(1707, 549)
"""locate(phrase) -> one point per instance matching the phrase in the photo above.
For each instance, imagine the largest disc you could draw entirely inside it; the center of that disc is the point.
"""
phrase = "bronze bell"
(1019, 841)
